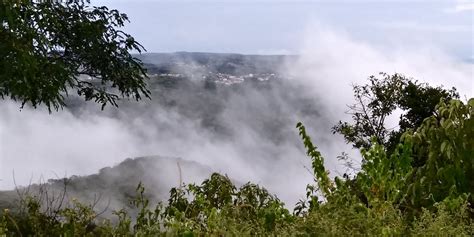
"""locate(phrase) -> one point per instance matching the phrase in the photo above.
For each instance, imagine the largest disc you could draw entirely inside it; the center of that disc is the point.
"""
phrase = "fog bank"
(246, 131)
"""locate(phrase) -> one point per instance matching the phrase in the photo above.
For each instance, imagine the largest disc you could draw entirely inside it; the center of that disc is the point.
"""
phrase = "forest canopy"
(51, 48)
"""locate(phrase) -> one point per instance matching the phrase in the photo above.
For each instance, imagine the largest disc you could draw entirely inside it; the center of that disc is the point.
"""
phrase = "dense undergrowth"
(389, 196)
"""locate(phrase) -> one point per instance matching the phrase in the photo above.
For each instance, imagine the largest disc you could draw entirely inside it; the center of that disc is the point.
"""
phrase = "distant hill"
(112, 187)
(232, 64)
(201, 86)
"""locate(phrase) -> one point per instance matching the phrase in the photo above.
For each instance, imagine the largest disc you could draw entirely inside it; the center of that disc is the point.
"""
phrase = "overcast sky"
(278, 27)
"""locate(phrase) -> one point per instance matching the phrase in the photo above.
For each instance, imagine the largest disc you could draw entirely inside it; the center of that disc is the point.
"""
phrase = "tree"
(442, 178)
(443, 148)
(378, 99)
(50, 48)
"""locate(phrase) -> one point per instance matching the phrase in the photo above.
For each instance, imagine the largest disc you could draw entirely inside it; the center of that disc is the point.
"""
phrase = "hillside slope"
(112, 187)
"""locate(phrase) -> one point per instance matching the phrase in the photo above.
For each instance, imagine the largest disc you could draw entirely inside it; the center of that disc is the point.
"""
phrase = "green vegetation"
(417, 180)
(376, 101)
(424, 187)
(50, 48)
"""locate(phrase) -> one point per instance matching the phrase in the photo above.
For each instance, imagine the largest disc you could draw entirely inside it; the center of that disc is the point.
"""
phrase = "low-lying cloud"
(247, 132)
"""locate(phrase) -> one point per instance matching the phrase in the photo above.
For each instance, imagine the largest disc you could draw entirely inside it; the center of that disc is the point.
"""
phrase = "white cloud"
(461, 6)
(331, 61)
(464, 7)
(415, 26)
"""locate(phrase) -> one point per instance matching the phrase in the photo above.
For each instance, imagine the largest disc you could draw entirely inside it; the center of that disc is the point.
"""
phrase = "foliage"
(436, 196)
(217, 203)
(376, 101)
(215, 207)
(317, 162)
(444, 145)
(50, 47)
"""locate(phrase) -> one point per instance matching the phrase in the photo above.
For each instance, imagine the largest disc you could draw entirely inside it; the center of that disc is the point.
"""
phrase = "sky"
(278, 27)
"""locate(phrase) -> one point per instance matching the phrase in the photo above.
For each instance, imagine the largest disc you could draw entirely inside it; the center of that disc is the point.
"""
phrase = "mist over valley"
(231, 113)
